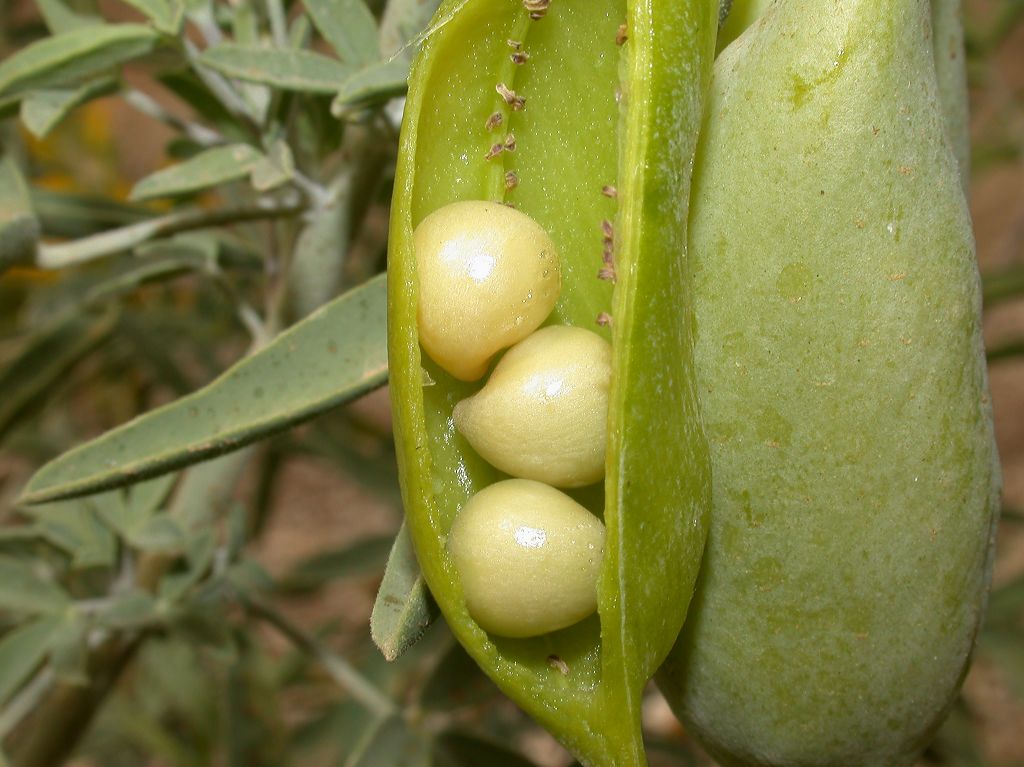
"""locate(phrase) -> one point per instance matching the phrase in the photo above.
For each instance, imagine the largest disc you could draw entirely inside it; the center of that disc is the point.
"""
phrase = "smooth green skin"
(528, 557)
(843, 384)
(571, 140)
(950, 65)
(951, 73)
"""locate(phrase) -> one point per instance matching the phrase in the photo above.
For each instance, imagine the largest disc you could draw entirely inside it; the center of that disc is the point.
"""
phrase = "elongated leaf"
(22, 649)
(277, 168)
(19, 227)
(456, 682)
(373, 85)
(456, 749)
(42, 110)
(45, 361)
(391, 744)
(64, 214)
(166, 15)
(60, 16)
(289, 69)
(404, 608)
(75, 527)
(402, 21)
(349, 27)
(74, 56)
(23, 588)
(332, 357)
(367, 555)
(206, 169)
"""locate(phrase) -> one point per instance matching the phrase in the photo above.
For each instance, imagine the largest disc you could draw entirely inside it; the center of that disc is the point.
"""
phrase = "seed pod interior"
(542, 113)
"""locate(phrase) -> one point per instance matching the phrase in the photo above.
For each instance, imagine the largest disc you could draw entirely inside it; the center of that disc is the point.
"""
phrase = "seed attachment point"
(510, 97)
(511, 180)
(537, 8)
(558, 665)
(604, 320)
(609, 191)
(622, 35)
(494, 121)
(520, 57)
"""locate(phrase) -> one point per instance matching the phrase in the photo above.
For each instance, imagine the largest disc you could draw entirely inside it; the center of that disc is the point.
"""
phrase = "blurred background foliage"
(204, 175)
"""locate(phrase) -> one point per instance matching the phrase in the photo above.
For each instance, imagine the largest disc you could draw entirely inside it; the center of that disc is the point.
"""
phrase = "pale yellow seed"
(528, 557)
(488, 277)
(543, 413)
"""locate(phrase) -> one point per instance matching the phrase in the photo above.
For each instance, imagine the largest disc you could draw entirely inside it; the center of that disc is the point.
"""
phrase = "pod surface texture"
(842, 379)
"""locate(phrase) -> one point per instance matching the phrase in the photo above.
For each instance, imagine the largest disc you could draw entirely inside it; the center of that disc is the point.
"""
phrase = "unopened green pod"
(842, 381)
(583, 114)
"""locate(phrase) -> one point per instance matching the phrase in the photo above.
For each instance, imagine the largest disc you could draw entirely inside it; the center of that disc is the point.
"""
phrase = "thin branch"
(340, 670)
(149, 106)
(128, 237)
(25, 701)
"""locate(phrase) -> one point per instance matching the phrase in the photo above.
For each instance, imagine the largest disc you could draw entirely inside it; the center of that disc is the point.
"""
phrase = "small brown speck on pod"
(622, 35)
(494, 151)
(604, 319)
(520, 57)
(511, 180)
(494, 121)
(510, 143)
(609, 191)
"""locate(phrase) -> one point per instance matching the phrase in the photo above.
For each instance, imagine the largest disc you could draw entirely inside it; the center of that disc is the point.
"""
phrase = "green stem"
(25, 702)
(149, 106)
(128, 237)
(340, 670)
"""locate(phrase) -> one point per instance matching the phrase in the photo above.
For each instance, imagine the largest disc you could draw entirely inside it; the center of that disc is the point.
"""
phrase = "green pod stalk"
(842, 380)
(599, 113)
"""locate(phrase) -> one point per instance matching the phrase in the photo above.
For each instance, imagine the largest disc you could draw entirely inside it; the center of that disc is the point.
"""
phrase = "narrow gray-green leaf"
(22, 649)
(45, 360)
(332, 357)
(60, 16)
(288, 69)
(456, 749)
(391, 744)
(277, 168)
(25, 588)
(456, 682)
(166, 15)
(131, 610)
(158, 533)
(349, 27)
(64, 214)
(146, 497)
(367, 555)
(214, 166)
(402, 21)
(41, 110)
(75, 527)
(404, 608)
(19, 227)
(74, 56)
(373, 85)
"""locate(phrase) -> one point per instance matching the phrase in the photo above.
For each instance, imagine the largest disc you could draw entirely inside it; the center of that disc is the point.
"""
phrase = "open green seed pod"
(583, 114)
